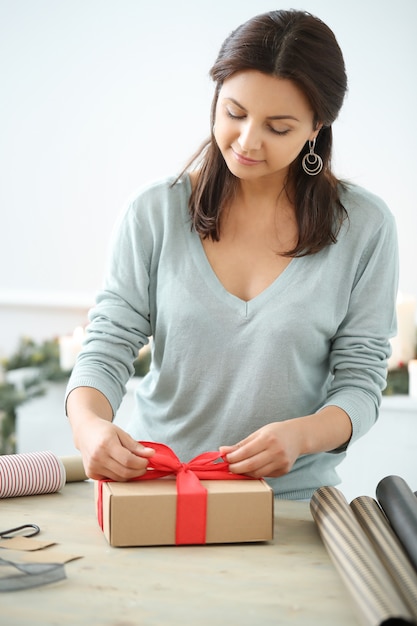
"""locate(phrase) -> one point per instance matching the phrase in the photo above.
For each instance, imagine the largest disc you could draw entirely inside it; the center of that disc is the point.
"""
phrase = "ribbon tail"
(100, 504)
(191, 509)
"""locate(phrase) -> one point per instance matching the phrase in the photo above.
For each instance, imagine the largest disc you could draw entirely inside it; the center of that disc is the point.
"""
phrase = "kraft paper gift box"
(171, 504)
(143, 513)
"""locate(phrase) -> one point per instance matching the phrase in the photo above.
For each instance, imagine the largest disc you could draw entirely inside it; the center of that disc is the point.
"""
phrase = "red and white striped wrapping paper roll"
(30, 474)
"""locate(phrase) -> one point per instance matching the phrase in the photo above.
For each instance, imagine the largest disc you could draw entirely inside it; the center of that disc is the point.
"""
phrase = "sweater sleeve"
(120, 320)
(360, 347)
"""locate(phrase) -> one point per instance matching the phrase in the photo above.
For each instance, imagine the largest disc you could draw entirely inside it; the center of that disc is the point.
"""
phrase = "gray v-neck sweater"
(222, 367)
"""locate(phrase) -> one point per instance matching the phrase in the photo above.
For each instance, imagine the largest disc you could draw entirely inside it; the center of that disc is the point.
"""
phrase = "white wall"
(101, 96)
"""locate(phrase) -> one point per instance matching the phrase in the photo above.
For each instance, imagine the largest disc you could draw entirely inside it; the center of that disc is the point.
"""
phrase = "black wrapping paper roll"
(400, 506)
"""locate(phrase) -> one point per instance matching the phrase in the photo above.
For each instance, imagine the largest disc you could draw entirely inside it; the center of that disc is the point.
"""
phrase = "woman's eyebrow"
(283, 117)
(270, 117)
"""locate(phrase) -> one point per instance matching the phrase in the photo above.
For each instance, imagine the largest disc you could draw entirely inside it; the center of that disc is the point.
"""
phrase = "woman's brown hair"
(297, 46)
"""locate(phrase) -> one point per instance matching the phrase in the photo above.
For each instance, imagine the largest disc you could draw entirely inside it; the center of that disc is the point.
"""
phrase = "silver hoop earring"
(312, 163)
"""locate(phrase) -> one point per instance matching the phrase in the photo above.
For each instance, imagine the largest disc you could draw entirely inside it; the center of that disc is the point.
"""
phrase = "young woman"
(267, 285)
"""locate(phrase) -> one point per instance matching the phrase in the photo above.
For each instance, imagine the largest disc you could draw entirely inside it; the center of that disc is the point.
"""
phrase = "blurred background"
(99, 97)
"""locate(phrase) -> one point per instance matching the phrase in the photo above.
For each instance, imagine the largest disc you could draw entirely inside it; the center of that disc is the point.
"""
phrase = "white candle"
(404, 343)
(412, 378)
(395, 358)
(69, 348)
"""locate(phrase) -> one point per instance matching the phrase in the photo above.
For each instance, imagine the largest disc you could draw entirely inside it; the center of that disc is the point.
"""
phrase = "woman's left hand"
(270, 451)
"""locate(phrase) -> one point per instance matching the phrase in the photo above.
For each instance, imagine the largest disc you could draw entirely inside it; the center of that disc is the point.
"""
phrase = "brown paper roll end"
(74, 469)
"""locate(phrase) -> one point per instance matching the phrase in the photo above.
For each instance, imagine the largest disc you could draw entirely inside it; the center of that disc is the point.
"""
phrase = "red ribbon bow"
(191, 494)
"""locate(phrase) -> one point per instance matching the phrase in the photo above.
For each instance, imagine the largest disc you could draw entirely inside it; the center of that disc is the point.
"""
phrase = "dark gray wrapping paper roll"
(400, 506)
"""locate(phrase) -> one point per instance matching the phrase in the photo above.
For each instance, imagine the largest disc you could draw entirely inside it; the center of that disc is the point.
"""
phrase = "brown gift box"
(143, 513)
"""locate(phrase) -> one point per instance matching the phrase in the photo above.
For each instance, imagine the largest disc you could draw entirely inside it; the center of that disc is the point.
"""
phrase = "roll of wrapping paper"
(37, 473)
(370, 585)
(74, 469)
(399, 504)
(30, 474)
(379, 531)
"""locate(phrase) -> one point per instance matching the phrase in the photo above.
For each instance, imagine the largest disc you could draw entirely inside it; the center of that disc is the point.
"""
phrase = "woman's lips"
(245, 160)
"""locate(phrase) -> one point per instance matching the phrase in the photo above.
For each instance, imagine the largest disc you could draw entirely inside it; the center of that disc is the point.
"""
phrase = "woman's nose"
(249, 138)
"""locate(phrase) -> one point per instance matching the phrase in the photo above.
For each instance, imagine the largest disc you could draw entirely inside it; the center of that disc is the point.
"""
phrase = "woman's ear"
(317, 128)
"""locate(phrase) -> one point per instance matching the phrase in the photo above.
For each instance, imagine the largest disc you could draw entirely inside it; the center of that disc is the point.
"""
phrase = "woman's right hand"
(107, 450)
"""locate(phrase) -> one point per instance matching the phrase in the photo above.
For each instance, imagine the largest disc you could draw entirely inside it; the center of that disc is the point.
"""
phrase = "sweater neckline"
(244, 308)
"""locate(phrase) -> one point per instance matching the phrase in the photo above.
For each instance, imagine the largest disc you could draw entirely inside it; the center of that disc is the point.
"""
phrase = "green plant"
(44, 356)
(10, 398)
(397, 381)
(43, 360)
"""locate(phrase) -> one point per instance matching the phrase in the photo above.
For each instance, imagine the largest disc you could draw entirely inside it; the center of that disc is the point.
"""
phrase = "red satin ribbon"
(191, 494)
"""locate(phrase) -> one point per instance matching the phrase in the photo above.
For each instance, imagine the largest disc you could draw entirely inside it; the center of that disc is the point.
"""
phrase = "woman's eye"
(279, 132)
(241, 116)
(233, 115)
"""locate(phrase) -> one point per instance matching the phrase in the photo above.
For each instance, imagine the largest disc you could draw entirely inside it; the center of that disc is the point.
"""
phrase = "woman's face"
(261, 124)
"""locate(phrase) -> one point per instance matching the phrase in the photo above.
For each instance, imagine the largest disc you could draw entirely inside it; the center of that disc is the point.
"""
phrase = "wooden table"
(290, 581)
